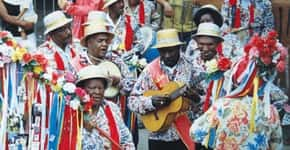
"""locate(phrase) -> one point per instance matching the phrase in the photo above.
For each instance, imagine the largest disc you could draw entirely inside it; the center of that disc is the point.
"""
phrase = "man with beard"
(170, 66)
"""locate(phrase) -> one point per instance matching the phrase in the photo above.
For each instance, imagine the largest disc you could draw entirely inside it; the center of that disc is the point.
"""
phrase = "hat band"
(167, 41)
(208, 31)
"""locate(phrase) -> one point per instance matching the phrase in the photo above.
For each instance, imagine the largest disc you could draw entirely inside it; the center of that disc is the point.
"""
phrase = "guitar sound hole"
(156, 116)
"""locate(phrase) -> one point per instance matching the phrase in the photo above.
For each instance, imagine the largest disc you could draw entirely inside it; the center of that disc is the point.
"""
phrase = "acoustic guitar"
(161, 119)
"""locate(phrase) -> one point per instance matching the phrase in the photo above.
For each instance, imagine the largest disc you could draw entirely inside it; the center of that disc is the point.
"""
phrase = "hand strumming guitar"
(160, 101)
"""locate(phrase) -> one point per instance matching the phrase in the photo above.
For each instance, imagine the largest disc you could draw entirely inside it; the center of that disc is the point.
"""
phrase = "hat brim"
(84, 39)
(218, 18)
(210, 35)
(168, 45)
(66, 21)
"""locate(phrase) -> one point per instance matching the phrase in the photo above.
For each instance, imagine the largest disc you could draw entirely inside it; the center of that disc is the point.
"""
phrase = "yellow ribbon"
(254, 104)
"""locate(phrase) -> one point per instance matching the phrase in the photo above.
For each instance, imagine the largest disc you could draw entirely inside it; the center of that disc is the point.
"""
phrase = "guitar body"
(162, 118)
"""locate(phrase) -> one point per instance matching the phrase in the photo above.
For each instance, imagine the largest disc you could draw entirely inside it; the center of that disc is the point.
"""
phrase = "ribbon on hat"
(266, 94)
(254, 104)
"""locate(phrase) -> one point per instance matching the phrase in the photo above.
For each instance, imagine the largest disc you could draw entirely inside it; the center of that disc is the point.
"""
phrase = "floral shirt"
(49, 50)
(152, 17)
(226, 126)
(140, 104)
(91, 140)
(120, 30)
(125, 136)
(262, 16)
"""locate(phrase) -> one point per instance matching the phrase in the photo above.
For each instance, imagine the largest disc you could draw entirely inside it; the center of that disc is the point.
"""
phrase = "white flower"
(47, 76)
(86, 98)
(211, 66)
(60, 81)
(69, 87)
(74, 104)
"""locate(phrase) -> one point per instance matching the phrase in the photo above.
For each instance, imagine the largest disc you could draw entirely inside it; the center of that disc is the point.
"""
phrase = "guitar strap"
(182, 123)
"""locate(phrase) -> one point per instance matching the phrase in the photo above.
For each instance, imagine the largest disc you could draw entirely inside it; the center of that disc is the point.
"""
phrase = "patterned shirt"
(49, 50)
(226, 126)
(125, 136)
(91, 140)
(263, 16)
(152, 17)
(140, 104)
(119, 30)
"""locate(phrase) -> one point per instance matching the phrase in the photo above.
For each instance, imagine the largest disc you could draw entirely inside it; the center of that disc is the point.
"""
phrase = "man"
(58, 48)
(19, 22)
(244, 118)
(128, 40)
(97, 39)
(60, 53)
(105, 115)
(170, 66)
(230, 47)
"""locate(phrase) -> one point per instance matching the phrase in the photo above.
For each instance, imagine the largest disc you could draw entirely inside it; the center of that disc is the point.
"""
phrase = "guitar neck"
(192, 83)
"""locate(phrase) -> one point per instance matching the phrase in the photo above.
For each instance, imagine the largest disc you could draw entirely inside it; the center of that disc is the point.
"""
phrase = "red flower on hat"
(224, 63)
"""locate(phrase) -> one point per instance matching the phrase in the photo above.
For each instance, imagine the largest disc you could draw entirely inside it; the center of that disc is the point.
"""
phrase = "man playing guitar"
(170, 66)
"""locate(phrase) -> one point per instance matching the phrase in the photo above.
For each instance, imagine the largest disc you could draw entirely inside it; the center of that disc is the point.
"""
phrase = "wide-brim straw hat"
(55, 20)
(95, 28)
(109, 3)
(167, 38)
(93, 72)
(208, 29)
(211, 9)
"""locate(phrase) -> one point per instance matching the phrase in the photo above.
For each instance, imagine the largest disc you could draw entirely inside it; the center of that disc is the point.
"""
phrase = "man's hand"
(26, 25)
(160, 101)
(192, 93)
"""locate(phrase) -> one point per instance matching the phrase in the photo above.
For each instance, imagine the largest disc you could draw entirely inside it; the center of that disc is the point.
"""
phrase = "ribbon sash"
(181, 123)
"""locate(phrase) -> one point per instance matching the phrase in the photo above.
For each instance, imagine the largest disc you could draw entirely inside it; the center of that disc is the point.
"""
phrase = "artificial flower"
(69, 77)
(74, 104)
(224, 63)
(80, 92)
(211, 66)
(69, 87)
(27, 58)
(281, 65)
(38, 70)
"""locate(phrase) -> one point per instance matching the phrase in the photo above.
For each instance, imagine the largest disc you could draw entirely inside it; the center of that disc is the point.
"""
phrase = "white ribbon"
(4, 110)
(266, 93)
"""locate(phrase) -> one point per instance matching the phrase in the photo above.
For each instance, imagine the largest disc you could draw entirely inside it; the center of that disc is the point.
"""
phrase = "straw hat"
(93, 28)
(109, 3)
(99, 17)
(55, 20)
(93, 72)
(167, 38)
(208, 29)
(212, 10)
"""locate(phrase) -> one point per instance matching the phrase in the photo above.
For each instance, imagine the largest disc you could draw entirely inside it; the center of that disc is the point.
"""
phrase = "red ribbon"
(141, 13)
(237, 22)
(59, 62)
(207, 97)
(129, 34)
(252, 16)
(113, 127)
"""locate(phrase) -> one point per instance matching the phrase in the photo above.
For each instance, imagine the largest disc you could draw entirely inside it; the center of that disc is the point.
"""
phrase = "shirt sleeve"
(137, 102)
